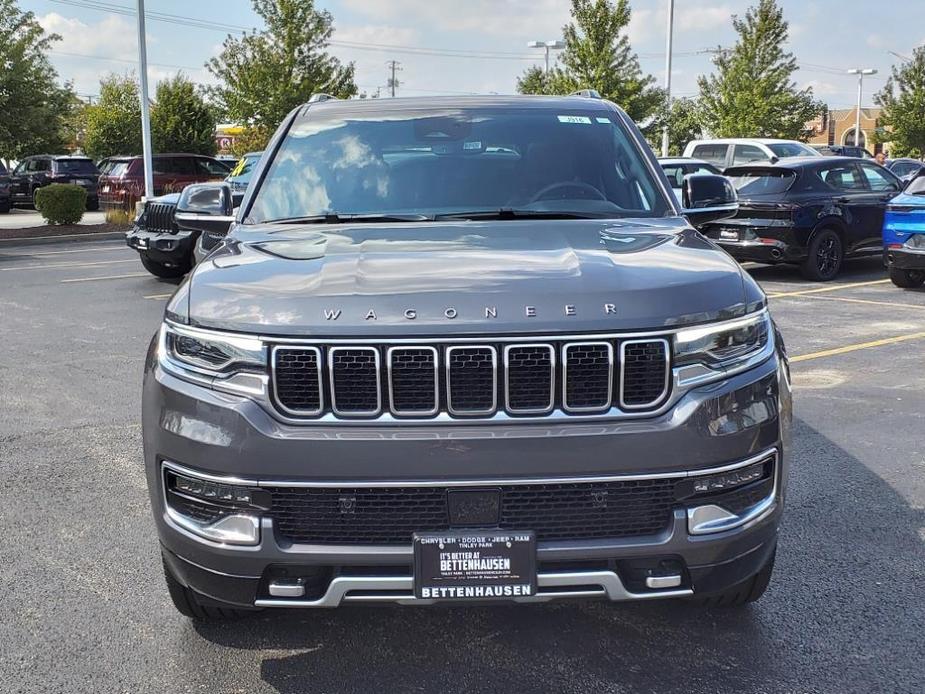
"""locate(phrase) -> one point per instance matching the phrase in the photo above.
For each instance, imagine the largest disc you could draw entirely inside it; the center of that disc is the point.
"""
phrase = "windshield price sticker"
(584, 120)
(474, 566)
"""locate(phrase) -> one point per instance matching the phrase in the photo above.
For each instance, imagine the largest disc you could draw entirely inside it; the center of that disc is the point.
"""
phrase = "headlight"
(225, 362)
(721, 349)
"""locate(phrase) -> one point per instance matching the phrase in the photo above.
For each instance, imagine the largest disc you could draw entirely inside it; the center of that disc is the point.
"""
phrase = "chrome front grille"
(471, 380)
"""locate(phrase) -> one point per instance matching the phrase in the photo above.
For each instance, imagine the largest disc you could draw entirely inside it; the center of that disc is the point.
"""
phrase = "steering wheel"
(578, 185)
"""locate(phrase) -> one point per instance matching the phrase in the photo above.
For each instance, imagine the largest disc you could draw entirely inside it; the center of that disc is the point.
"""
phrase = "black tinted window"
(842, 177)
(78, 166)
(763, 182)
(211, 167)
(174, 166)
(459, 160)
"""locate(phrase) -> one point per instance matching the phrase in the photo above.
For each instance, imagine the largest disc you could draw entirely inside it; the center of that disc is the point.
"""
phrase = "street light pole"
(668, 49)
(860, 72)
(547, 46)
(145, 111)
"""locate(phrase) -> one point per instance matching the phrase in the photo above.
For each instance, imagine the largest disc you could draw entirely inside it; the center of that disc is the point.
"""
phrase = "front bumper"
(170, 249)
(231, 437)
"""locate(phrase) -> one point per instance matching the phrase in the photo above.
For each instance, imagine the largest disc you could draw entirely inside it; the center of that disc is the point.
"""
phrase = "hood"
(473, 277)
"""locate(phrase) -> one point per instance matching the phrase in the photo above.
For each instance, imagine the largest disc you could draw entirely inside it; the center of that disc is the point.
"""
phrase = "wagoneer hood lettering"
(512, 276)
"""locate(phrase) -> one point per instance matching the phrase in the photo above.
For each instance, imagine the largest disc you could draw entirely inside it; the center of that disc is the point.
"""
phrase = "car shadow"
(843, 613)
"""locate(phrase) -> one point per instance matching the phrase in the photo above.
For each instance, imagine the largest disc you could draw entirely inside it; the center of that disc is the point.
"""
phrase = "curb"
(63, 238)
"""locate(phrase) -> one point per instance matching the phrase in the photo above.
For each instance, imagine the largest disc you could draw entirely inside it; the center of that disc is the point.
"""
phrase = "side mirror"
(708, 198)
(205, 207)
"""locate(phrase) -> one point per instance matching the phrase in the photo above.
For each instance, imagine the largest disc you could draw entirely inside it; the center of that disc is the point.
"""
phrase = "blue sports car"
(904, 236)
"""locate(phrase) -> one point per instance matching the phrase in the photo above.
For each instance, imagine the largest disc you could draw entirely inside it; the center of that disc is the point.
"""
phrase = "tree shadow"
(843, 614)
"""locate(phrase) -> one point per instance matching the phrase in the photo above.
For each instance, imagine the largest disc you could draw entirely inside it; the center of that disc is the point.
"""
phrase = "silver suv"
(468, 350)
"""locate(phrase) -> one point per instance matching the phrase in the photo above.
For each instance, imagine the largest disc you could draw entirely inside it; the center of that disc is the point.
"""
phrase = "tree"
(34, 106)
(254, 138)
(684, 122)
(903, 103)
(114, 122)
(752, 93)
(598, 56)
(181, 120)
(265, 74)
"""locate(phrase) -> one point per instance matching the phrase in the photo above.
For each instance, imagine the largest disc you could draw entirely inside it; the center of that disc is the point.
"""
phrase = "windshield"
(916, 186)
(243, 170)
(79, 166)
(457, 161)
(762, 182)
(792, 149)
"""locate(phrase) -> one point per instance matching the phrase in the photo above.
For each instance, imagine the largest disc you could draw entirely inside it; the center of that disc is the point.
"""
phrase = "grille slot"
(297, 380)
(530, 372)
(472, 376)
(355, 387)
(644, 373)
(413, 386)
(587, 376)
(389, 515)
(159, 217)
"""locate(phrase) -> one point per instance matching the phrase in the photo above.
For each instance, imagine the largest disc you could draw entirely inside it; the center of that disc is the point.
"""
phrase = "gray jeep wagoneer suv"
(464, 349)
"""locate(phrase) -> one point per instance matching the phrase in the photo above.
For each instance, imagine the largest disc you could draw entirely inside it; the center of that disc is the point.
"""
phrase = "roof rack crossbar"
(321, 96)
(587, 93)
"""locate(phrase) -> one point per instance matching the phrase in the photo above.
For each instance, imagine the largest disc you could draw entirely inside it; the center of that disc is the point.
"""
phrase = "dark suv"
(122, 182)
(41, 170)
(464, 349)
(5, 202)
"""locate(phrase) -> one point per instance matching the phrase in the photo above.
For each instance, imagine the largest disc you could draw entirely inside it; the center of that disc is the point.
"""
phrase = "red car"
(122, 178)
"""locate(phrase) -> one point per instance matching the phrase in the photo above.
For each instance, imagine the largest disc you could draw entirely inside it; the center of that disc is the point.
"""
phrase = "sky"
(480, 46)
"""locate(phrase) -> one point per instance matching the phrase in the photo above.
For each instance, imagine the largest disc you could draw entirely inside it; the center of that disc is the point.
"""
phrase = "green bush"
(61, 203)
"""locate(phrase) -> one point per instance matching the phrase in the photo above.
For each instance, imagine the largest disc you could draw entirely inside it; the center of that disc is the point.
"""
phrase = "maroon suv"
(122, 178)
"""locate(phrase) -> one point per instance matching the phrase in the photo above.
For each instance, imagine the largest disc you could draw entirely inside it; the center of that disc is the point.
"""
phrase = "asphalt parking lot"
(84, 608)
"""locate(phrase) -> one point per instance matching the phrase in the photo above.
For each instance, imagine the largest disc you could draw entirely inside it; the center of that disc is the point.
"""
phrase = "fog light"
(211, 490)
(729, 480)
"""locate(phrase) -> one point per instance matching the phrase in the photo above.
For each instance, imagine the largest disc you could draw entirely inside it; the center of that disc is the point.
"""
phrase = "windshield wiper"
(335, 218)
(515, 213)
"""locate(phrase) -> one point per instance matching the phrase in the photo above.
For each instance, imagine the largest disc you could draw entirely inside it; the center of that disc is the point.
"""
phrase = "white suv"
(737, 151)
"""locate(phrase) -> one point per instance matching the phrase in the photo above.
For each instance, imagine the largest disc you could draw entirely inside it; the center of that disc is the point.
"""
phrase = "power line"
(55, 52)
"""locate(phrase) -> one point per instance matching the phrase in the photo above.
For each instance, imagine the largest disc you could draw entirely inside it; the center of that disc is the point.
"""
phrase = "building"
(836, 127)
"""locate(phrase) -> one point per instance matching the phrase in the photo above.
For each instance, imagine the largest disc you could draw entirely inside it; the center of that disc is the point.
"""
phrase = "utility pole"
(393, 82)
(668, 46)
(860, 72)
(547, 46)
(145, 106)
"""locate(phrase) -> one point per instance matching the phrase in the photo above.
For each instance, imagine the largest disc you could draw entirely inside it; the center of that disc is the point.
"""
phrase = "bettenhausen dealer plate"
(474, 565)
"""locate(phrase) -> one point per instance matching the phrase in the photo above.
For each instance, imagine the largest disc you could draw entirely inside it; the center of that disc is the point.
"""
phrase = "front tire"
(189, 605)
(5, 207)
(167, 272)
(825, 257)
(907, 279)
(748, 591)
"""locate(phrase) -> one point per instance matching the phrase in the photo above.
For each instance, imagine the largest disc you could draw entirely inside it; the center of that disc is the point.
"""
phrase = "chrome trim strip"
(494, 382)
(565, 348)
(414, 413)
(386, 589)
(481, 482)
(666, 386)
(718, 519)
(552, 379)
(355, 413)
(318, 367)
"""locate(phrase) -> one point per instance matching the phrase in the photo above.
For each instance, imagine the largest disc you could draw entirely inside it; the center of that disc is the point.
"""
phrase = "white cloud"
(112, 37)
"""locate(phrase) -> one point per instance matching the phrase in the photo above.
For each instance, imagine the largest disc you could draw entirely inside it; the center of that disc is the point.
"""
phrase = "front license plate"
(474, 565)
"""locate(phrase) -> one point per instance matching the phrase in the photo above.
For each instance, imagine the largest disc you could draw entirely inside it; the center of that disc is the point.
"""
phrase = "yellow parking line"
(67, 265)
(853, 348)
(159, 296)
(108, 277)
(891, 304)
(104, 249)
(831, 288)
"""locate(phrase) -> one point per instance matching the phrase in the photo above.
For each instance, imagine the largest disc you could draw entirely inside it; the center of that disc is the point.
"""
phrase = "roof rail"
(320, 96)
(587, 93)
